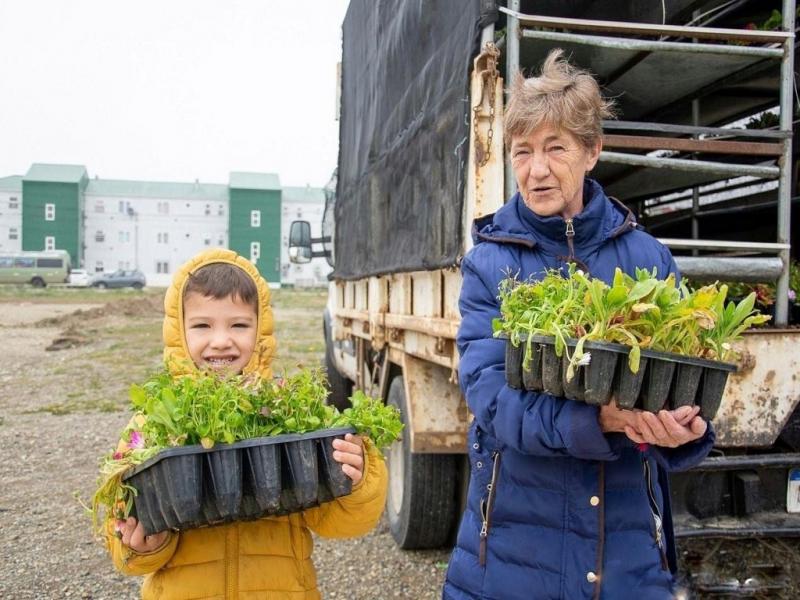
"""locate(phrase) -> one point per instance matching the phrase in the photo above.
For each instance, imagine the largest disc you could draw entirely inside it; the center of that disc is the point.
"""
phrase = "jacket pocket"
(658, 521)
(487, 504)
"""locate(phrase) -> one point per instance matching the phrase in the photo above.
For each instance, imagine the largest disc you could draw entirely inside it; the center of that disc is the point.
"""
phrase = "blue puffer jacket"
(556, 508)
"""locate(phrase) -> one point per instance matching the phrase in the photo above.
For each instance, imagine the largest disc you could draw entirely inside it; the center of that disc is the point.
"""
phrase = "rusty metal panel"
(452, 290)
(485, 170)
(427, 293)
(400, 287)
(435, 407)
(759, 399)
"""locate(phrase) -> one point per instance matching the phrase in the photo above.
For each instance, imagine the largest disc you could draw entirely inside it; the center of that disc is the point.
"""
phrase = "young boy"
(217, 316)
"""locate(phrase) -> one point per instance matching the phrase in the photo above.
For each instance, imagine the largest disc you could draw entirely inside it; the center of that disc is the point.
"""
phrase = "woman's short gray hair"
(563, 96)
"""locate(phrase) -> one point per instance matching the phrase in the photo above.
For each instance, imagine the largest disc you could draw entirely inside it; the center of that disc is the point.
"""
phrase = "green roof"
(254, 181)
(56, 173)
(12, 183)
(307, 195)
(156, 189)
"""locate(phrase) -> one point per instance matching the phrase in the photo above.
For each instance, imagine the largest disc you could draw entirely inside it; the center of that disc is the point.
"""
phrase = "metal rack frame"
(772, 145)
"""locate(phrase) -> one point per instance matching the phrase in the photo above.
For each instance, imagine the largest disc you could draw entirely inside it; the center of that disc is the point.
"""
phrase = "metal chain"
(489, 82)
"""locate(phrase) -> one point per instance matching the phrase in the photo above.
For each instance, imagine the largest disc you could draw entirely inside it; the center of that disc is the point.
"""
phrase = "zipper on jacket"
(570, 239)
(657, 518)
(486, 509)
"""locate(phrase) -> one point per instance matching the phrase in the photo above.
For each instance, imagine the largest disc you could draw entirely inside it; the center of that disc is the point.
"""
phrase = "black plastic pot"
(514, 359)
(190, 486)
(664, 380)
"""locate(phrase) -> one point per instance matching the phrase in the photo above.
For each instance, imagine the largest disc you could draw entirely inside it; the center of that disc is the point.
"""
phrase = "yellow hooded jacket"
(267, 559)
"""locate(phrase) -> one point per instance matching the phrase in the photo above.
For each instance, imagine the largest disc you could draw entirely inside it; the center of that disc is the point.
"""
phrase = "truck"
(702, 152)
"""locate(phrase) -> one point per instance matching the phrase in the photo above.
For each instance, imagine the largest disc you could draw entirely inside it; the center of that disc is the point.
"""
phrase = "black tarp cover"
(404, 133)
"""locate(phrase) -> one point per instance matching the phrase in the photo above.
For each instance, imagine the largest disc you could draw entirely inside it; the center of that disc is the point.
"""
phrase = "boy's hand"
(350, 452)
(132, 534)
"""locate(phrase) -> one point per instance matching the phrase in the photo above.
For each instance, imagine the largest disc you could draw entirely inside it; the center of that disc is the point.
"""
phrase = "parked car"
(119, 279)
(80, 278)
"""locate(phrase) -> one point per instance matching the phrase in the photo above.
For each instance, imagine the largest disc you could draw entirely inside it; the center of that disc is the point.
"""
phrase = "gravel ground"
(60, 411)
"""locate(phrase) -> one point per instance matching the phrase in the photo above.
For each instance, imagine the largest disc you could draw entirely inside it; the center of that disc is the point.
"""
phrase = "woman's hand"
(350, 453)
(132, 534)
(669, 428)
(614, 419)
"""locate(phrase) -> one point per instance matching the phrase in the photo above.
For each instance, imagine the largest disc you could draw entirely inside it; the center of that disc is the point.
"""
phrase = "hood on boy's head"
(176, 353)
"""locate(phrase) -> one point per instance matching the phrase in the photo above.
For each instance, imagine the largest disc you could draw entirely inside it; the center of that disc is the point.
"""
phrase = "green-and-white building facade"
(111, 224)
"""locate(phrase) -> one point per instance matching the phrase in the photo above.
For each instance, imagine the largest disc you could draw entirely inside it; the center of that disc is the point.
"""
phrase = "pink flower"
(137, 440)
(792, 295)
(118, 455)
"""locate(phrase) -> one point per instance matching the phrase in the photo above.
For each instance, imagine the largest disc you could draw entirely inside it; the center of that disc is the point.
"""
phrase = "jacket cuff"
(130, 562)
(582, 435)
(686, 456)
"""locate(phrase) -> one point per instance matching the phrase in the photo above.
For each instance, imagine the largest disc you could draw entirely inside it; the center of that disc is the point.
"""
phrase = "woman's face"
(550, 165)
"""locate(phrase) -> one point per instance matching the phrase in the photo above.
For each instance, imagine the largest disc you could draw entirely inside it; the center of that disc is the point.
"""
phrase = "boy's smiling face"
(220, 333)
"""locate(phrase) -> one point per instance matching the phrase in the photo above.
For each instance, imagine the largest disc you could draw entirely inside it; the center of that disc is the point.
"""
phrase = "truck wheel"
(421, 504)
(37, 282)
(340, 387)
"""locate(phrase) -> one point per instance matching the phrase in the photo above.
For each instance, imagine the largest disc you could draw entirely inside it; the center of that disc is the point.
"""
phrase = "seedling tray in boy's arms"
(191, 486)
(664, 380)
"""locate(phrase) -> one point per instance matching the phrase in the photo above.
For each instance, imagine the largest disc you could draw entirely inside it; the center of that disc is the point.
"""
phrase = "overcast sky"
(171, 90)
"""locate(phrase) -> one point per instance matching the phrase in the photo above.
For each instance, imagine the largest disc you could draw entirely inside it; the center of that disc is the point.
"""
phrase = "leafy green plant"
(641, 312)
(206, 409)
(794, 281)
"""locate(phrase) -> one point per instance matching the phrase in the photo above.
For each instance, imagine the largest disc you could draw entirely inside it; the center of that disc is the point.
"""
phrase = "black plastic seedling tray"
(191, 486)
(664, 380)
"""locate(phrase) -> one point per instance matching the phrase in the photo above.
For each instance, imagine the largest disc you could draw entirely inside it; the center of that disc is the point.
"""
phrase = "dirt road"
(61, 410)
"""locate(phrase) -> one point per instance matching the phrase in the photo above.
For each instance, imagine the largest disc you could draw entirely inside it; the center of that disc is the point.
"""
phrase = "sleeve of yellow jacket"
(130, 562)
(358, 512)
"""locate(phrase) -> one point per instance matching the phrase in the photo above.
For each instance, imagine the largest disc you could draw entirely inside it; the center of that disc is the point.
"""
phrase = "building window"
(98, 266)
(162, 266)
(13, 233)
(124, 236)
(124, 265)
(221, 210)
(49, 212)
(13, 202)
(99, 236)
(207, 242)
(208, 209)
(163, 238)
(99, 207)
(221, 241)
(255, 218)
(122, 207)
(255, 251)
(299, 213)
(49, 242)
(163, 208)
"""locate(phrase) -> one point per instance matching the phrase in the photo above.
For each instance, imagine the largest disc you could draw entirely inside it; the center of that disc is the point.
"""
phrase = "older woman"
(566, 500)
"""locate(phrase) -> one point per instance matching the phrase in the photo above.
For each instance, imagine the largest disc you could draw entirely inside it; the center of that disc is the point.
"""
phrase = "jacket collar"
(602, 218)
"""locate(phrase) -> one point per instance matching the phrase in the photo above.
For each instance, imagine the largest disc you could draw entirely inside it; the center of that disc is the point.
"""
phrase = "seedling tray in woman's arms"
(191, 486)
(664, 380)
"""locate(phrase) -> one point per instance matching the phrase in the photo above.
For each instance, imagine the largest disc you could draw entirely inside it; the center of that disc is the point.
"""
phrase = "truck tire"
(339, 386)
(38, 282)
(422, 501)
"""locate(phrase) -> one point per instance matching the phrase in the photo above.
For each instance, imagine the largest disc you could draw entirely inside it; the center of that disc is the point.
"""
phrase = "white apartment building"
(11, 213)
(152, 226)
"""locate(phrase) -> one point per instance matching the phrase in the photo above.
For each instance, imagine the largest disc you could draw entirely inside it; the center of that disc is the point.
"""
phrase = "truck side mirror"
(300, 242)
